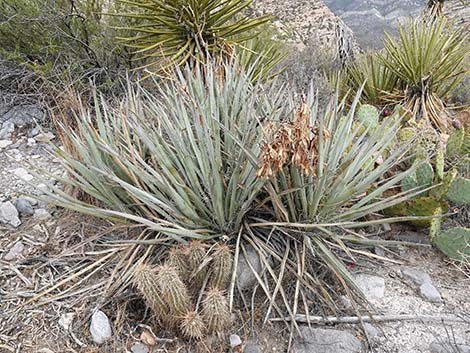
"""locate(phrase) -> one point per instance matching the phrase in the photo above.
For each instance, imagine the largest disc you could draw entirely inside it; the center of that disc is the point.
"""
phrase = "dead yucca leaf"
(215, 310)
(294, 142)
(146, 281)
(173, 291)
(192, 325)
(221, 266)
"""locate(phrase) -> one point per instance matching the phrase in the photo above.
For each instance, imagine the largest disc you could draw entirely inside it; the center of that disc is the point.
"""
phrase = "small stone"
(245, 276)
(32, 201)
(14, 252)
(251, 348)
(34, 131)
(44, 137)
(24, 207)
(373, 287)
(379, 251)
(449, 348)
(371, 330)
(6, 130)
(5, 143)
(147, 338)
(9, 214)
(23, 174)
(429, 292)
(235, 341)
(65, 320)
(139, 348)
(31, 142)
(319, 340)
(42, 188)
(41, 214)
(100, 327)
(416, 276)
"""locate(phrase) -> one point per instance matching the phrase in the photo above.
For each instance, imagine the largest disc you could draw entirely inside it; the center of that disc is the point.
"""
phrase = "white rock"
(9, 214)
(429, 292)
(6, 131)
(23, 174)
(235, 341)
(41, 214)
(371, 330)
(100, 328)
(139, 348)
(32, 201)
(31, 142)
(44, 137)
(14, 252)
(5, 143)
(23, 206)
(373, 287)
(65, 320)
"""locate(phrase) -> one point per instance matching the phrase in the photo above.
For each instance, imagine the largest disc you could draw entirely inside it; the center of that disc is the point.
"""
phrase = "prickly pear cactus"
(455, 243)
(423, 207)
(440, 192)
(406, 134)
(425, 174)
(435, 225)
(459, 191)
(368, 115)
(455, 142)
(440, 163)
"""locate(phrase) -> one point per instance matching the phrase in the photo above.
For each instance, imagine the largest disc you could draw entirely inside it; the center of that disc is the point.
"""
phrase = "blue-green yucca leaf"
(185, 155)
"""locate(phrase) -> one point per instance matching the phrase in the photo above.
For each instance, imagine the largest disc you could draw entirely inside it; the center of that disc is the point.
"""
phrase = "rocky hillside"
(458, 12)
(312, 21)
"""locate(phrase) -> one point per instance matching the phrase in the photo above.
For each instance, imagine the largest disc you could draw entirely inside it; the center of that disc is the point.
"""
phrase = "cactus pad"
(440, 163)
(423, 207)
(368, 115)
(459, 191)
(435, 226)
(455, 243)
(425, 174)
(455, 142)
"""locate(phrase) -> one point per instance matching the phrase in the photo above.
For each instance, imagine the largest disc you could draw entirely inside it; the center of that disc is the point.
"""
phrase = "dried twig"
(371, 318)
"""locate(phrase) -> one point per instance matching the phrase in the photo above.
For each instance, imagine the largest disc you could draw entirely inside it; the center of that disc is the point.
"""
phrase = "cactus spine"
(192, 325)
(221, 267)
(215, 310)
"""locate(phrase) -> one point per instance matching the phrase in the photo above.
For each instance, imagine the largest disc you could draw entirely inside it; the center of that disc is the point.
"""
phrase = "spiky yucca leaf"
(173, 291)
(221, 267)
(192, 325)
(180, 161)
(188, 31)
(215, 310)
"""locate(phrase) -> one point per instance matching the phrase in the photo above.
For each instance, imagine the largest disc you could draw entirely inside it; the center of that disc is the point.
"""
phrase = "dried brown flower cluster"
(293, 142)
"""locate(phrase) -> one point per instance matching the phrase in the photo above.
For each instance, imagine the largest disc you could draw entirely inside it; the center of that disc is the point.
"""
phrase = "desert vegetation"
(179, 130)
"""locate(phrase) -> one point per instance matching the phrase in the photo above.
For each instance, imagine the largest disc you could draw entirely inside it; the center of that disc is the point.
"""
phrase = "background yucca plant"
(428, 60)
(186, 31)
(377, 80)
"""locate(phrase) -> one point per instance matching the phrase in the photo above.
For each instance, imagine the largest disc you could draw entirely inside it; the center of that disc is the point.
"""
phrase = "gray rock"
(24, 207)
(23, 114)
(44, 137)
(438, 347)
(139, 348)
(14, 252)
(235, 341)
(416, 276)
(32, 201)
(245, 276)
(9, 214)
(373, 287)
(317, 340)
(34, 131)
(66, 320)
(41, 214)
(5, 144)
(429, 292)
(251, 348)
(6, 130)
(371, 330)
(100, 328)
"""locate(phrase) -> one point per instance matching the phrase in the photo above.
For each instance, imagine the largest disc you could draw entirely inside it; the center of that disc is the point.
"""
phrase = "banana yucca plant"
(186, 31)
(427, 58)
(181, 160)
